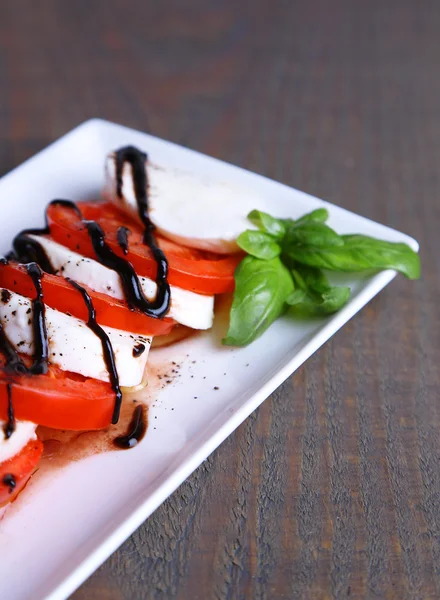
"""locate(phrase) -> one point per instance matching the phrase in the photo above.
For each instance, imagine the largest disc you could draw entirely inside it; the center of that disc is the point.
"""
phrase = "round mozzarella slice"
(198, 212)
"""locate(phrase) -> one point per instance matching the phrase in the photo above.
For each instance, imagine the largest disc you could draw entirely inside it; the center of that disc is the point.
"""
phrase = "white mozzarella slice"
(72, 345)
(196, 211)
(187, 308)
(23, 433)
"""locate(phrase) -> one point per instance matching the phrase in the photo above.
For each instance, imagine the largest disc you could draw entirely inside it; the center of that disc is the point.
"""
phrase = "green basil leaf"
(380, 254)
(358, 253)
(329, 302)
(310, 279)
(287, 223)
(267, 223)
(258, 244)
(320, 214)
(334, 299)
(261, 290)
(314, 295)
(310, 234)
(296, 297)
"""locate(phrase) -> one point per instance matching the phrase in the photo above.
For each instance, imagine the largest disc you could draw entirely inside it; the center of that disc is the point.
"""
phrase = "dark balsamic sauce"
(138, 350)
(14, 364)
(5, 296)
(26, 249)
(107, 348)
(10, 481)
(9, 426)
(41, 342)
(122, 237)
(130, 282)
(136, 430)
(136, 159)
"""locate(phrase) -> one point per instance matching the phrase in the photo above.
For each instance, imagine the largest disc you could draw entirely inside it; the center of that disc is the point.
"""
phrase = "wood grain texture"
(331, 489)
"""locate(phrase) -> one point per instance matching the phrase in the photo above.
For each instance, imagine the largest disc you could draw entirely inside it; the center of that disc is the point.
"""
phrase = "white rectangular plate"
(67, 523)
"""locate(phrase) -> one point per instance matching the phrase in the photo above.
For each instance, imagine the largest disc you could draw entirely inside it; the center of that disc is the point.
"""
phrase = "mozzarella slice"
(199, 212)
(187, 308)
(24, 432)
(72, 345)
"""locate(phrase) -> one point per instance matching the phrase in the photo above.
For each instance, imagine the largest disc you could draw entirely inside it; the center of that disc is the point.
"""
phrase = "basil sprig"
(283, 270)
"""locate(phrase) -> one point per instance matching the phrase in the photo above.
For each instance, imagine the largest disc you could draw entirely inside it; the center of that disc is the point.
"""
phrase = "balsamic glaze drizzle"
(130, 281)
(41, 342)
(138, 350)
(136, 430)
(107, 349)
(28, 250)
(14, 364)
(136, 159)
(9, 426)
(10, 481)
(122, 236)
(131, 285)
(5, 296)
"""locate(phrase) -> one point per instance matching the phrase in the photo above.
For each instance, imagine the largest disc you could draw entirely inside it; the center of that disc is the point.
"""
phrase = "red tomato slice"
(59, 294)
(191, 269)
(15, 472)
(58, 399)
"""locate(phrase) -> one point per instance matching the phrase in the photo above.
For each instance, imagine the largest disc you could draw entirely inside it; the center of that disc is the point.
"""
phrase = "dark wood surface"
(332, 488)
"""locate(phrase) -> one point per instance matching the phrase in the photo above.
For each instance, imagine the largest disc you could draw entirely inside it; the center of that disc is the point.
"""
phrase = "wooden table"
(332, 488)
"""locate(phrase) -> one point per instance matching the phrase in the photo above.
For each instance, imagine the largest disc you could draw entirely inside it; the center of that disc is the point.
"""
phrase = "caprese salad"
(82, 299)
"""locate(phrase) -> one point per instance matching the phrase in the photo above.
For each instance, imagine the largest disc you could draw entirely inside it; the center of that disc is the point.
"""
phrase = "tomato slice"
(59, 399)
(191, 269)
(16, 471)
(59, 294)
